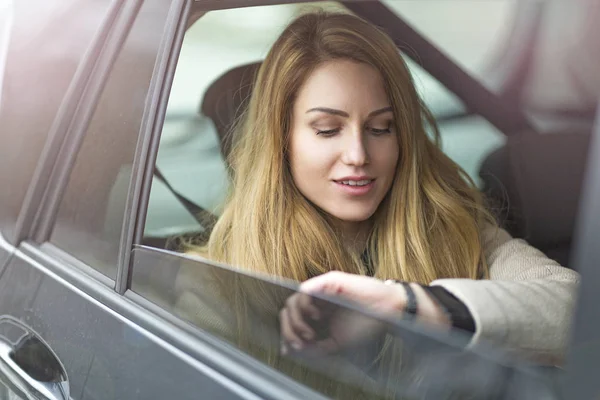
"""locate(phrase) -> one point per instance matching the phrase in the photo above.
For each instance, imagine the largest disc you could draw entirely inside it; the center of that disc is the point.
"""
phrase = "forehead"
(344, 85)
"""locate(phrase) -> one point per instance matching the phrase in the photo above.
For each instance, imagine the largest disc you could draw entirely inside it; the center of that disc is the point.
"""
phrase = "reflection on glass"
(7, 394)
(354, 354)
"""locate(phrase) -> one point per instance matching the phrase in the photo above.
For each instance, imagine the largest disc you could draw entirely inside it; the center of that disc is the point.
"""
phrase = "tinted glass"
(92, 211)
(387, 359)
(35, 80)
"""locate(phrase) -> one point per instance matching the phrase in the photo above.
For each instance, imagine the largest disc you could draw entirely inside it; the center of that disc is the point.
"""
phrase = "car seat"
(534, 184)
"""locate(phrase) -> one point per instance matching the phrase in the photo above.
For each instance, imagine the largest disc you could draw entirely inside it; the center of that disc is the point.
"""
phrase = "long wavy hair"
(427, 227)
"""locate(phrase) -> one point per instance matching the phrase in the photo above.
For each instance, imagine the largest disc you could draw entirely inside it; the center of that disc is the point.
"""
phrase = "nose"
(355, 150)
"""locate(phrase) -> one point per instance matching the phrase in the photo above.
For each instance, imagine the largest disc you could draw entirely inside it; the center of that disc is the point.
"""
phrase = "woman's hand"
(304, 316)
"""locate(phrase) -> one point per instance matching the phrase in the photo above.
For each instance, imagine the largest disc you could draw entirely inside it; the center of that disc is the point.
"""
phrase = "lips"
(355, 186)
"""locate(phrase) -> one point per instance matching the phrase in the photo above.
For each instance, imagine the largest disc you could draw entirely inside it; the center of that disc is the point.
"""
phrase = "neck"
(355, 234)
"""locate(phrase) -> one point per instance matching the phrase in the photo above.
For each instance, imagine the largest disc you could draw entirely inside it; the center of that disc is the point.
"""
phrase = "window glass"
(472, 33)
(190, 156)
(91, 213)
(243, 310)
(34, 79)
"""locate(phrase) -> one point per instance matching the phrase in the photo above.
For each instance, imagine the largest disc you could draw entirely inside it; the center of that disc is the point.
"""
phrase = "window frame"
(483, 101)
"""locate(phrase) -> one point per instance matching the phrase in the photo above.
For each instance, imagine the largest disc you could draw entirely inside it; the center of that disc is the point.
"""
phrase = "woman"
(334, 171)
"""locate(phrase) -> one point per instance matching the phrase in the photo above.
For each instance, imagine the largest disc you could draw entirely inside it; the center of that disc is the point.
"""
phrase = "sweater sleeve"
(526, 305)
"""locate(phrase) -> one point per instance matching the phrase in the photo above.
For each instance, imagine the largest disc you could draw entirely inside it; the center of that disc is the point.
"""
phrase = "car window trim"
(212, 5)
(71, 262)
(149, 138)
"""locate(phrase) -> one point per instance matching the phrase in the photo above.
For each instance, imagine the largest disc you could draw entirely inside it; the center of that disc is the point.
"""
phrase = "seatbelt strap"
(199, 213)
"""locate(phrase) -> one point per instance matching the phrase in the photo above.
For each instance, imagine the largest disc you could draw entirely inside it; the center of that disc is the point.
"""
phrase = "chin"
(354, 216)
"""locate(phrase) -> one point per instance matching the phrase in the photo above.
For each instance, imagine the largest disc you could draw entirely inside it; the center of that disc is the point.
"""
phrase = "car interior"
(532, 181)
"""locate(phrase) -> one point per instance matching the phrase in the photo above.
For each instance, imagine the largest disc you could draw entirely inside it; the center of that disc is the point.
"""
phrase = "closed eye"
(380, 131)
(328, 132)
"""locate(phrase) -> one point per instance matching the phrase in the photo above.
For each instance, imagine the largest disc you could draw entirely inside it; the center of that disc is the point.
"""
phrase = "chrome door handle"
(28, 363)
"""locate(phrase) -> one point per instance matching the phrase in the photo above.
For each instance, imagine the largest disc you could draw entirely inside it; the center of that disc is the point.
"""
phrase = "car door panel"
(6, 250)
(26, 279)
(105, 355)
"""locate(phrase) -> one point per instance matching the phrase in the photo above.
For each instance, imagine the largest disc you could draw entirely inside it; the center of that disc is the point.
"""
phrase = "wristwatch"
(411, 298)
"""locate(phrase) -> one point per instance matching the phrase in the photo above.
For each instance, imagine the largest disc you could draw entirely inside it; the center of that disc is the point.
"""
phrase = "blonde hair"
(427, 227)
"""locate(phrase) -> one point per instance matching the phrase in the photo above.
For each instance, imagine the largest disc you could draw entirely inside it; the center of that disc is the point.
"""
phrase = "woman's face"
(343, 148)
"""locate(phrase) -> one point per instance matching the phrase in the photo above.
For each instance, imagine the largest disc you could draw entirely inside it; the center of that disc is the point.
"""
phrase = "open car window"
(220, 53)
(472, 34)
(396, 359)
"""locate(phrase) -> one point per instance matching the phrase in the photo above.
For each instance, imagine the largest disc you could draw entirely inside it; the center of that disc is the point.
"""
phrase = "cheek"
(309, 159)
(387, 154)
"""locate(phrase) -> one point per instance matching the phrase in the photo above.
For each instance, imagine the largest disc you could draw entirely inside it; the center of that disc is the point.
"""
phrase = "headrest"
(226, 99)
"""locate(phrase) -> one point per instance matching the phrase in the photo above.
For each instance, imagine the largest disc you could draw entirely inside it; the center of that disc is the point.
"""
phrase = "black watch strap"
(411, 298)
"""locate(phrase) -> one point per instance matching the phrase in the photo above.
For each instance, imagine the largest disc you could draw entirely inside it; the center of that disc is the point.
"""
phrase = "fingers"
(288, 335)
(299, 307)
(295, 330)
(328, 283)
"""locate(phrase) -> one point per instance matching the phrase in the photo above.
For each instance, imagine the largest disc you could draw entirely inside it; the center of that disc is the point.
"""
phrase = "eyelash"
(331, 132)
(381, 131)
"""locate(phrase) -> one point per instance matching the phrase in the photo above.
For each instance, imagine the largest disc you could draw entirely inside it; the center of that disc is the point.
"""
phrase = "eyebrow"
(341, 113)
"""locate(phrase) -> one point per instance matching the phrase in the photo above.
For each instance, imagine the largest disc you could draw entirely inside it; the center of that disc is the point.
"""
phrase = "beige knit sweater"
(527, 304)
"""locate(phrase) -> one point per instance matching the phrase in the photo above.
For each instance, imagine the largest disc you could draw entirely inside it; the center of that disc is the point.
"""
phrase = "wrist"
(397, 296)
(406, 299)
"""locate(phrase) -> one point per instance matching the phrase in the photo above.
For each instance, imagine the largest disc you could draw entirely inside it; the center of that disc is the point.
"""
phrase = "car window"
(472, 33)
(91, 213)
(25, 118)
(190, 155)
(403, 360)
(489, 39)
